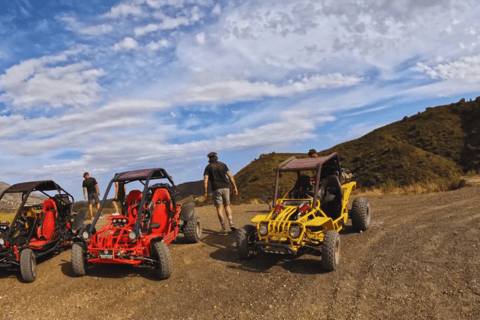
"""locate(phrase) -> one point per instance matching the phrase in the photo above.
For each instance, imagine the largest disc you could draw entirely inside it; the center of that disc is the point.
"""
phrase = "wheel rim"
(33, 266)
(337, 251)
(198, 229)
(368, 215)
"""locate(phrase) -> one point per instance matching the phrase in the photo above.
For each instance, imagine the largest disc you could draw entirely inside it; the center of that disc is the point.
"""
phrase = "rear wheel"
(78, 261)
(28, 265)
(331, 250)
(246, 238)
(193, 229)
(164, 266)
(360, 214)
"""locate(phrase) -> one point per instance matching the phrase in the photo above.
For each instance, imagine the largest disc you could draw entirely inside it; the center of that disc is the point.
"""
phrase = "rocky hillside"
(429, 147)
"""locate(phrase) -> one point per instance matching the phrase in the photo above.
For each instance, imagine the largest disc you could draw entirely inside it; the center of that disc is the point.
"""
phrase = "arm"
(235, 190)
(116, 190)
(205, 185)
(84, 196)
(98, 190)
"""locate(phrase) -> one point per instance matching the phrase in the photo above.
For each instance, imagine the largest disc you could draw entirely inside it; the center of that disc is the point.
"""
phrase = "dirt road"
(419, 259)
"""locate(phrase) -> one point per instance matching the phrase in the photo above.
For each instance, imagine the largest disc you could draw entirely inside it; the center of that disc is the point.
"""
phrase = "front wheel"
(164, 265)
(246, 238)
(78, 262)
(28, 265)
(331, 251)
(193, 229)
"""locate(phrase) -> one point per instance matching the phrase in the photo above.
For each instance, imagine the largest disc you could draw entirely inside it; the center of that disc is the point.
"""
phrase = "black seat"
(330, 196)
(303, 188)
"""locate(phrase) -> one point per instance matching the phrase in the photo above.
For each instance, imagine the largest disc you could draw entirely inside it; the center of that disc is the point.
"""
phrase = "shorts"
(221, 196)
(93, 198)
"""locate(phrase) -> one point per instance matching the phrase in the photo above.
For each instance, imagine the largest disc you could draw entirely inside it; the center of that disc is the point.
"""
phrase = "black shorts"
(93, 198)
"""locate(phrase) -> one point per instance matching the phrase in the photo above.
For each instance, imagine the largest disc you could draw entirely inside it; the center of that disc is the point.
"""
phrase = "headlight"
(263, 230)
(85, 235)
(294, 231)
(124, 220)
(2, 242)
(132, 235)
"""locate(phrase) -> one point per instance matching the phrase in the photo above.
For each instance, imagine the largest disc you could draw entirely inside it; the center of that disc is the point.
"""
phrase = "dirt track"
(419, 259)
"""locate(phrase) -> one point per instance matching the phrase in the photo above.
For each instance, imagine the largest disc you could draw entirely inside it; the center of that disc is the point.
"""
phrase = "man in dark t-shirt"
(91, 187)
(217, 172)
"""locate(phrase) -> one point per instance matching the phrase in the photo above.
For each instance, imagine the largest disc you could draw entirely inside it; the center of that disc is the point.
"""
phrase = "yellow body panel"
(313, 225)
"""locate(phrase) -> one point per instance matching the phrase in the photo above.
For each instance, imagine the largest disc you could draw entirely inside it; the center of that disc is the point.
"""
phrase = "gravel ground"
(419, 259)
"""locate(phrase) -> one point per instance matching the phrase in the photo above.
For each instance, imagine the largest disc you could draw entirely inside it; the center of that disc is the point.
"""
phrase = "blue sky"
(109, 86)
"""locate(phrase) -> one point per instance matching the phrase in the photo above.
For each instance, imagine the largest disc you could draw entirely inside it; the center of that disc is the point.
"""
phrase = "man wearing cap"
(217, 173)
(90, 186)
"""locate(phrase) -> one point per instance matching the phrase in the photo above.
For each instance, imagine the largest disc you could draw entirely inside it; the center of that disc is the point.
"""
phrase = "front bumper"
(276, 248)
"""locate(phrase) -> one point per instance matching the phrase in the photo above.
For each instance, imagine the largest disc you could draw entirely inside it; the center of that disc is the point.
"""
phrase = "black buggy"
(35, 219)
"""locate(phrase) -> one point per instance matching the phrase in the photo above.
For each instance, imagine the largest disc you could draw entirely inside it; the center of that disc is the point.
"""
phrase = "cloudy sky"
(107, 86)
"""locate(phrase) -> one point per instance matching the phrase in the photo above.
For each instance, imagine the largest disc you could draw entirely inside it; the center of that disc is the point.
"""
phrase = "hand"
(99, 194)
(84, 197)
(235, 191)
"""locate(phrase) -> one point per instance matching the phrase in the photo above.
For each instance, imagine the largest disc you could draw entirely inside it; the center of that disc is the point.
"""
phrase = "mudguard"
(187, 211)
(79, 219)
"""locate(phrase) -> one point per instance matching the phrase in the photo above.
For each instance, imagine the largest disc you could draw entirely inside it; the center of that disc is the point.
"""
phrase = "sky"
(111, 86)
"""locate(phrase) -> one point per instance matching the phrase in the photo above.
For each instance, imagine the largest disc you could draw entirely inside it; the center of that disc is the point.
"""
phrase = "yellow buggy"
(308, 218)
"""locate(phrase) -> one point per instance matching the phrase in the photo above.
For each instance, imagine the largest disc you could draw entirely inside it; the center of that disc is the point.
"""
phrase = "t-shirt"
(90, 183)
(217, 174)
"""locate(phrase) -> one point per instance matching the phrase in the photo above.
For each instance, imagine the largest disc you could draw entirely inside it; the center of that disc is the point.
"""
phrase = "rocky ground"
(419, 259)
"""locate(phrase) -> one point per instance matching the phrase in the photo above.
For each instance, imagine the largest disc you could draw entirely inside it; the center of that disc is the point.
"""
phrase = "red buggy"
(139, 235)
(35, 219)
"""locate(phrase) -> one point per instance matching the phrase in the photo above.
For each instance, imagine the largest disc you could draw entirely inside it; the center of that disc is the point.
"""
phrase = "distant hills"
(430, 147)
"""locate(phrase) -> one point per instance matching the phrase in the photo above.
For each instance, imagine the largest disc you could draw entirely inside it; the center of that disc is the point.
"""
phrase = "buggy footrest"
(277, 248)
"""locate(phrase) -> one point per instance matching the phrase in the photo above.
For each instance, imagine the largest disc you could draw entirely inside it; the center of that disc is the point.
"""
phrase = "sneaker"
(232, 227)
(223, 232)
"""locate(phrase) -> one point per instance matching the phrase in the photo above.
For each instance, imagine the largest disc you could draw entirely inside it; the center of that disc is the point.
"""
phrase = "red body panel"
(112, 239)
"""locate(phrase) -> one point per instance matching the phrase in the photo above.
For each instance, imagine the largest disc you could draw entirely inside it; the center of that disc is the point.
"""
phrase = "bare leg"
(115, 205)
(220, 217)
(98, 207)
(228, 210)
(90, 208)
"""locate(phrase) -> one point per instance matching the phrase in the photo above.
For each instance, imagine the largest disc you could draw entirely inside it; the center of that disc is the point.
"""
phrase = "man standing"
(120, 191)
(217, 173)
(90, 185)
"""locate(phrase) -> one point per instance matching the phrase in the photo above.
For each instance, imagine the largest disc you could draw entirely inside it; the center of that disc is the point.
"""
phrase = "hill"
(435, 146)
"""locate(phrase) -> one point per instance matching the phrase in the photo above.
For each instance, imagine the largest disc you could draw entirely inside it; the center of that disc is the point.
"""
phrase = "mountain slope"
(436, 144)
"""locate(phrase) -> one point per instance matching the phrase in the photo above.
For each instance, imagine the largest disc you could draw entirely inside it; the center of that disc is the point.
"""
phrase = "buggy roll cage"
(136, 175)
(28, 187)
(296, 165)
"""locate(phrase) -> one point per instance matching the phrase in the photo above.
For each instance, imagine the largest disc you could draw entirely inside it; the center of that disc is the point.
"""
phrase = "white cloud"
(156, 45)
(32, 83)
(124, 10)
(96, 30)
(126, 44)
(465, 69)
(167, 24)
(200, 38)
(217, 9)
(245, 90)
